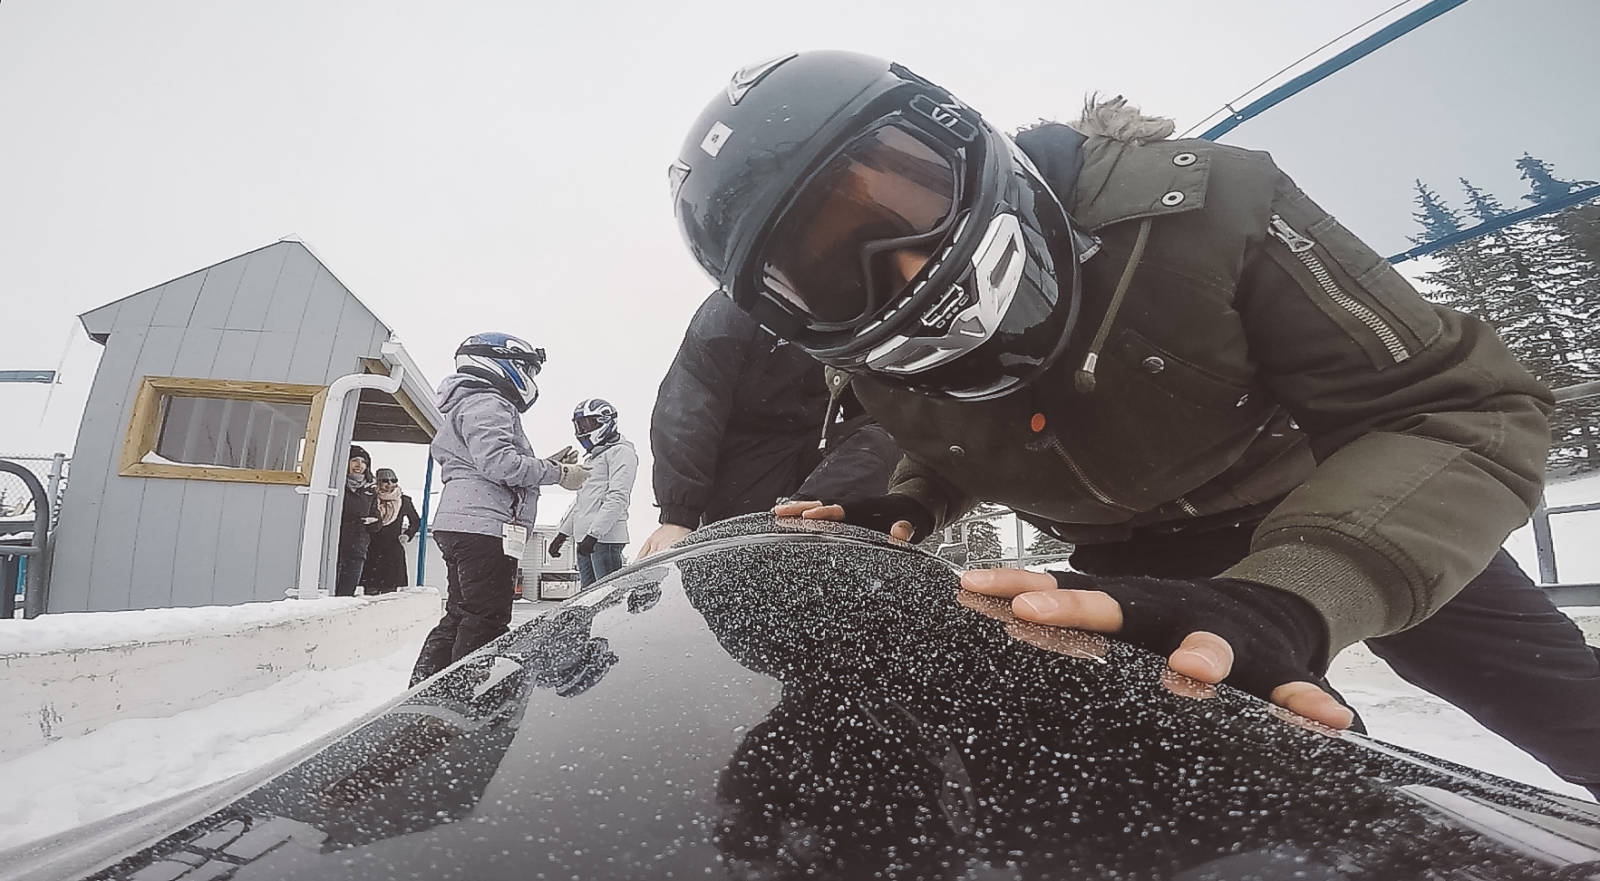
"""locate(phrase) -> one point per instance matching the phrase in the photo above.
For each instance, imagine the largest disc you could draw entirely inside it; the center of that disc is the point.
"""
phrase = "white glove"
(567, 456)
(573, 476)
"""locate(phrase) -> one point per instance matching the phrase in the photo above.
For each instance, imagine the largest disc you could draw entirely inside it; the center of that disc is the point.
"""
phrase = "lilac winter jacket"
(490, 472)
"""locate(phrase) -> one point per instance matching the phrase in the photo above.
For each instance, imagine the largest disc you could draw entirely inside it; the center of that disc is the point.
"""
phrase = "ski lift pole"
(422, 531)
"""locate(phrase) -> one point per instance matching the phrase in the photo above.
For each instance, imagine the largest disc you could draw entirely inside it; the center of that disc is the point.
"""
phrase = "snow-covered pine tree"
(984, 549)
(1461, 279)
(1544, 294)
(1535, 288)
(1049, 547)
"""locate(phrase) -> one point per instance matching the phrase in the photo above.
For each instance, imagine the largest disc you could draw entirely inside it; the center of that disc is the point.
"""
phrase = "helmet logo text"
(714, 139)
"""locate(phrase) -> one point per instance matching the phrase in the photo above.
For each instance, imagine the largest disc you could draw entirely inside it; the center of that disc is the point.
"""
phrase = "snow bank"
(134, 762)
(66, 675)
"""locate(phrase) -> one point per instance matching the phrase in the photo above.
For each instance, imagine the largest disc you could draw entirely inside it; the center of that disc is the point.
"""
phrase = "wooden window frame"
(144, 427)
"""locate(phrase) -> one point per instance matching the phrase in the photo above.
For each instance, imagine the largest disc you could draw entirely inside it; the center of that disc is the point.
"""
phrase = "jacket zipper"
(1300, 247)
(1083, 479)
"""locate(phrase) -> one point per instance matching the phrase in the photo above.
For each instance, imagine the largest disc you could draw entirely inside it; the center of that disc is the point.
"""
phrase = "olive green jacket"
(1259, 352)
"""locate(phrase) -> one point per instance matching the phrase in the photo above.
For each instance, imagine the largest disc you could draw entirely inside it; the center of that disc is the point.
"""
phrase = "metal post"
(422, 532)
(1543, 545)
(1020, 552)
(52, 484)
(35, 587)
(10, 580)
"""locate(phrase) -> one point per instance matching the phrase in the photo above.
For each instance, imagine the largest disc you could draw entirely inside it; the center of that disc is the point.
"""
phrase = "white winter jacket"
(601, 508)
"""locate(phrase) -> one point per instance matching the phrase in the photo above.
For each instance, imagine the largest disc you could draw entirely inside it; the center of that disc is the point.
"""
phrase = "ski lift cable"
(1380, 38)
(61, 364)
(1228, 107)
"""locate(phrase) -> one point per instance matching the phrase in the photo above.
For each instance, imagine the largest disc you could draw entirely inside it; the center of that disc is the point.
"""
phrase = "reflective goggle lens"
(832, 256)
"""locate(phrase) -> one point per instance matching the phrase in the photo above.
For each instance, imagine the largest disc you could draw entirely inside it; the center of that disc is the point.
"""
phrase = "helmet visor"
(587, 423)
(832, 258)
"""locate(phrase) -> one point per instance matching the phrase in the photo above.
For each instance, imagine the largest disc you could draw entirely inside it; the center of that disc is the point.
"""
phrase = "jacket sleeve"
(485, 424)
(692, 409)
(411, 522)
(942, 499)
(1430, 438)
(622, 464)
(565, 526)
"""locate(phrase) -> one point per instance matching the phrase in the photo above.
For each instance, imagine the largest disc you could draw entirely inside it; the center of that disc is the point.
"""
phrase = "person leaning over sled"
(1265, 445)
(736, 424)
(490, 497)
(600, 512)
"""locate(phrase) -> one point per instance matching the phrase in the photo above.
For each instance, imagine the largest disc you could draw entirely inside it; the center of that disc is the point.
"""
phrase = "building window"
(219, 429)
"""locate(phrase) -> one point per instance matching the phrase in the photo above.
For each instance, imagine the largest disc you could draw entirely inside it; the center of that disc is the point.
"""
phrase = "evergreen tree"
(1543, 185)
(1048, 547)
(984, 550)
(1535, 287)
(1580, 223)
(1461, 280)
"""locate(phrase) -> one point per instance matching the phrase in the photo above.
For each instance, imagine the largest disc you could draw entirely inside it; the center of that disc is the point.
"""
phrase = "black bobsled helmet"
(866, 214)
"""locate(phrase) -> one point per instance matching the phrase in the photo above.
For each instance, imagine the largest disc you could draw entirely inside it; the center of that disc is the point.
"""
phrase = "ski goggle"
(862, 226)
(586, 424)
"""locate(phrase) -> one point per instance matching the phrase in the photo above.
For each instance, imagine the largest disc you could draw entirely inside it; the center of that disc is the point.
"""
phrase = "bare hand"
(902, 529)
(665, 536)
(1204, 656)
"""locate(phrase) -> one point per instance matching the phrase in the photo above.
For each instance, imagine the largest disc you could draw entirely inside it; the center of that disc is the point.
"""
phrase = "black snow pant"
(348, 573)
(478, 606)
(1500, 650)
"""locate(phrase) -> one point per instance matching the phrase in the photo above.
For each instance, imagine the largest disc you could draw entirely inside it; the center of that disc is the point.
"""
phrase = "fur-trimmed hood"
(1119, 120)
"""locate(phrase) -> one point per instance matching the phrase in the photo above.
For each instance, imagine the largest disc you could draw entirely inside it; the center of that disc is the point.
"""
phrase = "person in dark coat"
(397, 525)
(1264, 443)
(357, 522)
(736, 427)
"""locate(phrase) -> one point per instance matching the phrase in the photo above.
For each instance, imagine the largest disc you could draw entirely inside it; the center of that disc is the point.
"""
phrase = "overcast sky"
(484, 165)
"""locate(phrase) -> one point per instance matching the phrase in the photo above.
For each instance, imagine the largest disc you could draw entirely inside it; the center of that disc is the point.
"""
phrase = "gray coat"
(490, 472)
(601, 508)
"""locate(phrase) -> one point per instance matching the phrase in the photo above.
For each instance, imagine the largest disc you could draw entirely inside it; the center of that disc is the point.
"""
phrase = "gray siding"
(272, 315)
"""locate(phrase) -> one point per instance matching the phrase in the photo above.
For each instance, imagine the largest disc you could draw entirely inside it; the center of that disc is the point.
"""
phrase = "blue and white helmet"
(594, 422)
(509, 363)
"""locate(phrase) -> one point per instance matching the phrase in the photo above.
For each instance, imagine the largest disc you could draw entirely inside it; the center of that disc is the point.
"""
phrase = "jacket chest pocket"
(1156, 424)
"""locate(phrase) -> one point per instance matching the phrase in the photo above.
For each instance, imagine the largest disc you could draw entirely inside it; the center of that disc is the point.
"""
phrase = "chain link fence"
(16, 503)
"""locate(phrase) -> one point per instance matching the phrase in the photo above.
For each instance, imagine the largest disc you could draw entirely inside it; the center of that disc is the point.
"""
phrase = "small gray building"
(213, 446)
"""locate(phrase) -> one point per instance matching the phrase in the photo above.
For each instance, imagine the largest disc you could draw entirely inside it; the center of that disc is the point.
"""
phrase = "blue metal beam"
(1382, 37)
(44, 376)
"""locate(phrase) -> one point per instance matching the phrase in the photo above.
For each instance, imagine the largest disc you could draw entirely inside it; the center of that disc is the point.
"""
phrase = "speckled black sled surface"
(813, 701)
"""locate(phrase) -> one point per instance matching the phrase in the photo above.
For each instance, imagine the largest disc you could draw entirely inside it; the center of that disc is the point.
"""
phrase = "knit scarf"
(388, 503)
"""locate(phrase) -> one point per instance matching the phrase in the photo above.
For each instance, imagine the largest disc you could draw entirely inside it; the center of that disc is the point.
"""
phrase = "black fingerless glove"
(881, 513)
(1276, 636)
(557, 542)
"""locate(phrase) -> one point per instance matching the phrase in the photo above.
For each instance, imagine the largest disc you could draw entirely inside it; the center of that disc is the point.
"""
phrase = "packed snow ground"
(135, 762)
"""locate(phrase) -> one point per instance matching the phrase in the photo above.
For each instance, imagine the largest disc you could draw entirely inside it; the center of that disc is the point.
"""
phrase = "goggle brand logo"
(949, 116)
